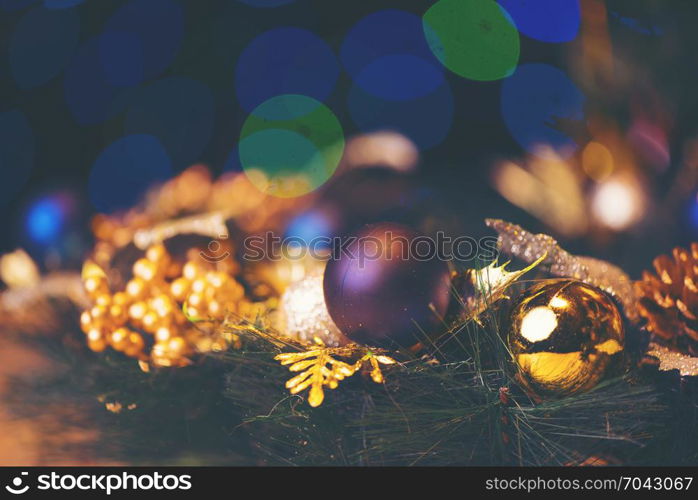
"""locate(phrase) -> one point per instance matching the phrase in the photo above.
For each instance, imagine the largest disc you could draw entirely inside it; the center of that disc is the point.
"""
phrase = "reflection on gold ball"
(564, 336)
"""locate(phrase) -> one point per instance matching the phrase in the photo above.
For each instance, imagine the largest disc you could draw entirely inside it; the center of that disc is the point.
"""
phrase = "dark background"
(216, 32)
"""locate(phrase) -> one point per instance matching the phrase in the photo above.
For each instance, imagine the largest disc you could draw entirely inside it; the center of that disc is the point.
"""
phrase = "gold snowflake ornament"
(320, 368)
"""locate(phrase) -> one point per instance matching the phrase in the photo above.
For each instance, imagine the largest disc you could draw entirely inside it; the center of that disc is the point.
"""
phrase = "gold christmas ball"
(565, 335)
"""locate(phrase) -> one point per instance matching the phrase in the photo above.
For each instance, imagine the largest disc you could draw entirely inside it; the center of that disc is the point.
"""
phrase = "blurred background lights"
(693, 213)
(266, 3)
(13, 5)
(309, 226)
(89, 95)
(121, 57)
(642, 26)
(140, 40)
(46, 217)
(597, 161)
(617, 203)
(158, 24)
(649, 141)
(179, 112)
(285, 61)
(383, 148)
(388, 57)
(61, 4)
(42, 44)
(475, 39)
(290, 145)
(548, 187)
(545, 20)
(425, 120)
(17, 152)
(125, 170)
(541, 106)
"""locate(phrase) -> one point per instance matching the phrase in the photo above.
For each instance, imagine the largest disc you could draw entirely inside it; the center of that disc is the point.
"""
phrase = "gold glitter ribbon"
(515, 240)
(672, 360)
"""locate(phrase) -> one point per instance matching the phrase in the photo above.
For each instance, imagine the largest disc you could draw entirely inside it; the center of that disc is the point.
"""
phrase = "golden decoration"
(320, 367)
(516, 241)
(150, 318)
(478, 289)
(564, 336)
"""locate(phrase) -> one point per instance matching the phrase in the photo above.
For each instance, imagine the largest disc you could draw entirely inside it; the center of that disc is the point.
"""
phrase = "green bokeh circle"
(290, 145)
(475, 39)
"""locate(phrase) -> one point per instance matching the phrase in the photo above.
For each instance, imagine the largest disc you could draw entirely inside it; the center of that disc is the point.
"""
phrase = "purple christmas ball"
(387, 287)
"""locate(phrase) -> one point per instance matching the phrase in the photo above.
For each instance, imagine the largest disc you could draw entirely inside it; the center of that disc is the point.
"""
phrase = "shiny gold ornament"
(564, 336)
(303, 314)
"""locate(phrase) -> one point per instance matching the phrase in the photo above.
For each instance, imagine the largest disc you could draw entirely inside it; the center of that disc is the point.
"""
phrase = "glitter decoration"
(478, 288)
(304, 313)
(515, 240)
(672, 360)
(321, 369)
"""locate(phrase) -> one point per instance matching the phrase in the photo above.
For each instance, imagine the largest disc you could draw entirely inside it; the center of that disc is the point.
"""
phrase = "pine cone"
(669, 300)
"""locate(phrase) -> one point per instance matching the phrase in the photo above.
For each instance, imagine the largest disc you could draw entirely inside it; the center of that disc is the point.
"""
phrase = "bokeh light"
(475, 39)
(61, 4)
(597, 161)
(13, 5)
(17, 150)
(290, 145)
(46, 218)
(266, 4)
(383, 148)
(285, 61)
(617, 203)
(140, 40)
(641, 26)
(693, 213)
(540, 105)
(179, 112)
(42, 44)
(157, 24)
(649, 141)
(545, 20)
(388, 57)
(309, 226)
(121, 55)
(426, 120)
(125, 170)
(89, 95)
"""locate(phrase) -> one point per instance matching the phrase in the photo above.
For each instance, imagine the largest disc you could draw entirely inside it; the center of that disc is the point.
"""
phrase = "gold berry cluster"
(151, 319)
